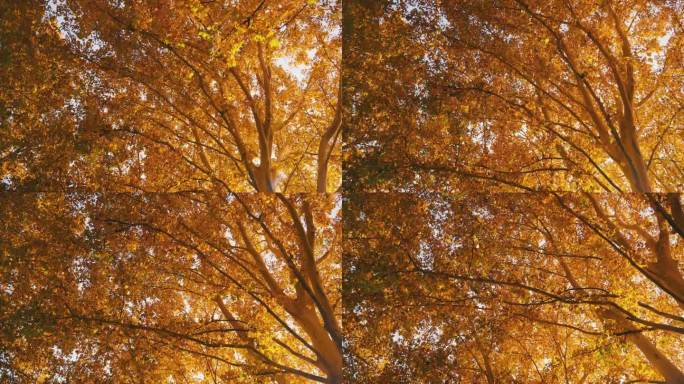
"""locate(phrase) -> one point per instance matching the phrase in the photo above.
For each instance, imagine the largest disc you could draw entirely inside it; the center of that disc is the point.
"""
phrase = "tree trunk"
(262, 178)
(327, 143)
(657, 359)
(331, 356)
(612, 316)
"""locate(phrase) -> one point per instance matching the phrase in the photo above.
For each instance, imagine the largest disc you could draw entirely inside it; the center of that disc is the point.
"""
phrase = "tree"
(540, 97)
(148, 288)
(158, 163)
(42, 138)
(201, 92)
(127, 251)
(389, 108)
(534, 96)
(504, 288)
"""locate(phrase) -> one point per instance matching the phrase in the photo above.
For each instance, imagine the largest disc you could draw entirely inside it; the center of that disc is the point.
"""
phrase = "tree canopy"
(175, 96)
(298, 191)
(520, 95)
(136, 245)
(525, 288)
(171, 287)
(513, 174)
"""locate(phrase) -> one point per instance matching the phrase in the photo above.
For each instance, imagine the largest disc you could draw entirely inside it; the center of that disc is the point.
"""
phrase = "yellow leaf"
(274, 43)
(205, 35)
(236, 48)
(42, 378)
